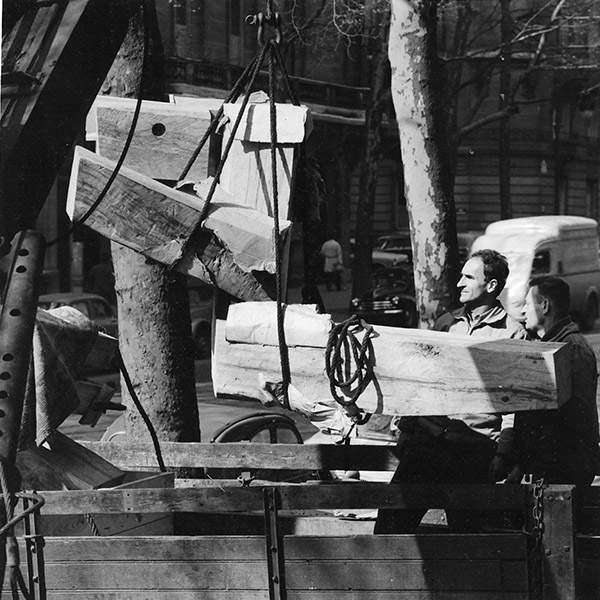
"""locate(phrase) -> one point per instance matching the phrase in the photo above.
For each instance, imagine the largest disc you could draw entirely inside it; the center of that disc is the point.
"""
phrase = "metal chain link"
(537, 534)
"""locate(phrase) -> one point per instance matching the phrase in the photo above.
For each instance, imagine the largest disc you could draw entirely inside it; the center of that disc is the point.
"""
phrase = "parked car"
(391, 250)
(104, 315)
(95, 307)
(395, 249)
(391, 300)
(561, 245)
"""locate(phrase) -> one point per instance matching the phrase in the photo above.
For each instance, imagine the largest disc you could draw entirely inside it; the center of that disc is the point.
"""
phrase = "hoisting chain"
(349, 366)
(537, 535)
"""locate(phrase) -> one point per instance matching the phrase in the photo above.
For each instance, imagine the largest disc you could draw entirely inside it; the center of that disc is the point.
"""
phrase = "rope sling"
(343, 347)
(268, 48)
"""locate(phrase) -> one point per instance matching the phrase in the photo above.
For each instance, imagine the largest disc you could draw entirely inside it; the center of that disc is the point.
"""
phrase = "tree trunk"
(154, 319)
(418, 104)
(361, 267)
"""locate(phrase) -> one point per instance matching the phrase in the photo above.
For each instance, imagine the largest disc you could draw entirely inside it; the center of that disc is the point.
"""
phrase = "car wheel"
(202, 346)
(590, 313)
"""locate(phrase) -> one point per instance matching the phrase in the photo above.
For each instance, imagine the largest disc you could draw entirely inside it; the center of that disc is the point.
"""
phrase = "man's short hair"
(495, 266)
(554, 289)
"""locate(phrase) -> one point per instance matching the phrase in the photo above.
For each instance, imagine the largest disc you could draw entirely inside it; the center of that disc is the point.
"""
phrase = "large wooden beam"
(234, 250)
(417, 372)
(54, 60)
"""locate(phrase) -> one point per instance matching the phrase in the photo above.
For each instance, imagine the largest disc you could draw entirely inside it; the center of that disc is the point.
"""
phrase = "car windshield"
(393, 244)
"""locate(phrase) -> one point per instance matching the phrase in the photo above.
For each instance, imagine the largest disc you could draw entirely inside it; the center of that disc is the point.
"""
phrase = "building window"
(180, 8)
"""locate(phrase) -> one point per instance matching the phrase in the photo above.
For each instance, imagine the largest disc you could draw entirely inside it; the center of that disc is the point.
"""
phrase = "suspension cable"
(283, 349)
(142, 411)
(232, 97)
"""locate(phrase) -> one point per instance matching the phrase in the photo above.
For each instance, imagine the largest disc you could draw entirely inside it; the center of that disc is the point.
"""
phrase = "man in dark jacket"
(560, 446)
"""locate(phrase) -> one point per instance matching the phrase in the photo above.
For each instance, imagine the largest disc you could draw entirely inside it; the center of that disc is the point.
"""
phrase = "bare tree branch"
(299, 29)
(491, 118)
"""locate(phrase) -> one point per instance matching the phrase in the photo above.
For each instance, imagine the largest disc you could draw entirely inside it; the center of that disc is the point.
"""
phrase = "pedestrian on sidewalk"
(334, 263)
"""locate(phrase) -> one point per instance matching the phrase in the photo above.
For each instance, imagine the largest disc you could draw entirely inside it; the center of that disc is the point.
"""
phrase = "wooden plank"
(558, 543)
(228, 548)
(171, 594)
(108, 525)
(397, 574)
(293, 497)
(69, 49)
(252, 575)
(158, 221)
(153, 575)
(417, 372)
(235, 563)
(249, 455)
(165, 137)
(405, 595)
(291, 595)
(503, 546)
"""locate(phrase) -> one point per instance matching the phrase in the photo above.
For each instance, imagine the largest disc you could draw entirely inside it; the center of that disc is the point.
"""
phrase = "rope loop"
(349, 363)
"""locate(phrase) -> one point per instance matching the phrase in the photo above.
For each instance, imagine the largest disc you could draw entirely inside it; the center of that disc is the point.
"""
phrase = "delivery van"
(561, 245)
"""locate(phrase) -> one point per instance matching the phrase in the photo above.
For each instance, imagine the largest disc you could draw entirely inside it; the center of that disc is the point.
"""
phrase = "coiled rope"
(349, 363)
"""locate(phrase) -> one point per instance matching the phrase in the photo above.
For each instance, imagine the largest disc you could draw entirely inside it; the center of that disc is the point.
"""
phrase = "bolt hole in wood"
(21, 269)
(158, 129)
(5, 375)
(3, 394)
(15, 312)
(23, 252)
(7, 357)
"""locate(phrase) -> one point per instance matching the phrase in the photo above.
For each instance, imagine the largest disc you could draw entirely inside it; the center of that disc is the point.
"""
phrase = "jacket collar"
(493, 314)
(561, 330)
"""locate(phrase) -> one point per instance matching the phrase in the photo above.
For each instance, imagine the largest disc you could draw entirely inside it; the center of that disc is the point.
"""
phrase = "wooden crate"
(423, 566)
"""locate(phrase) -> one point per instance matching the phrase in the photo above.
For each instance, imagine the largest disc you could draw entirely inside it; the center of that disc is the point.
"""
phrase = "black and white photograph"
(300, 300)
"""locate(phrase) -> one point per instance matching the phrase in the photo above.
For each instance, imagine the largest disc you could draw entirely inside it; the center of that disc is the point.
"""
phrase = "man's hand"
(499, 468)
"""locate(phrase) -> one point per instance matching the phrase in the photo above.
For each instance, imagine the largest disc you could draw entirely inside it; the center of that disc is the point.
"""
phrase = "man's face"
(533, 310)
(472, 285)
